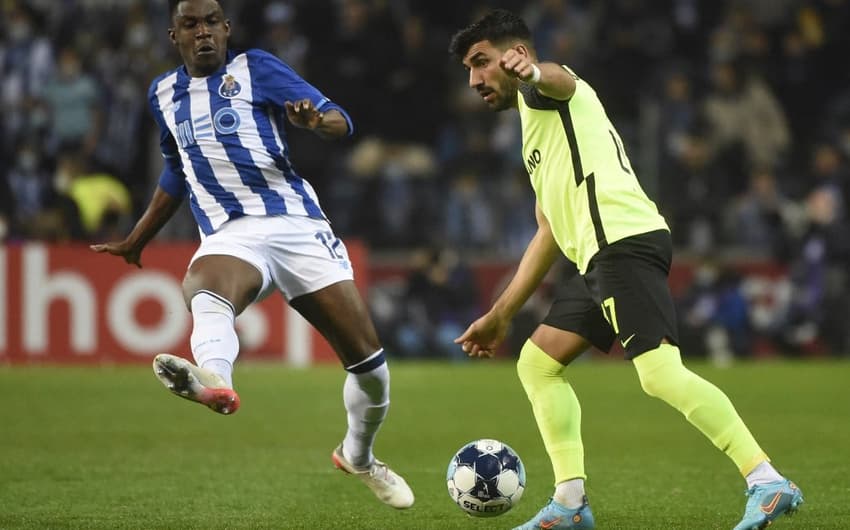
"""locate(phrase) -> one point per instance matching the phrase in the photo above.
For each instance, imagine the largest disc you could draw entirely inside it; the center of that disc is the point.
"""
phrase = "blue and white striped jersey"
(224, 141)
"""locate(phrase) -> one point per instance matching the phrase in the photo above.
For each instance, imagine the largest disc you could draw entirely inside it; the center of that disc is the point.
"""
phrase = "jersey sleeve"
(275, 82)
(172, 179)
(535, 100)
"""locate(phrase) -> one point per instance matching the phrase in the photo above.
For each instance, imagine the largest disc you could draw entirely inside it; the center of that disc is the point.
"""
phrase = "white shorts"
(295, 254)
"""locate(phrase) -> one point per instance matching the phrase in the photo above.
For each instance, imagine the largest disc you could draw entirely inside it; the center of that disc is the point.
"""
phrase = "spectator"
(680, 114)
(29, 190)
(102, 200)
(282, 37)
(715, 315)
(59, 221)
(468, 213)
(366, 48)
(516, 208)
(762, 220)
(26, 63)
(417, 84)
(742, 112)
(7, 211)
(440, 298)
(563, 31)
(816, 317)
(74, 104)
(692, 190)
(828, 172)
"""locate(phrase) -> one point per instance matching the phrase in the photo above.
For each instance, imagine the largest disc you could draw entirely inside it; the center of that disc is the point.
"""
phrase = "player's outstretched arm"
(485, 334)
(551, 79)
(161, 208)
(535, 263)
(328, 125)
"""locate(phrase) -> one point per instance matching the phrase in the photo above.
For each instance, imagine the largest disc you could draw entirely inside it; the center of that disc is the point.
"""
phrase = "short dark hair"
(497, 26)
(174, 4)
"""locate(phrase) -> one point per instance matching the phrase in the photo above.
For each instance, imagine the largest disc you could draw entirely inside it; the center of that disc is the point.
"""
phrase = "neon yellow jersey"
(579, 170)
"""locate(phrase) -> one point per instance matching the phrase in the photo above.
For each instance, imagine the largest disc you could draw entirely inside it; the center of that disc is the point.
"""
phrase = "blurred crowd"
(736, 114)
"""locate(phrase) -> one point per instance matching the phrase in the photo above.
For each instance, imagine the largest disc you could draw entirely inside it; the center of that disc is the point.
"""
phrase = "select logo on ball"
(485, 478)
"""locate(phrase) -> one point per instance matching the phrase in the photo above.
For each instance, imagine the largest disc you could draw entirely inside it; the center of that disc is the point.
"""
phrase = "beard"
(507, 94)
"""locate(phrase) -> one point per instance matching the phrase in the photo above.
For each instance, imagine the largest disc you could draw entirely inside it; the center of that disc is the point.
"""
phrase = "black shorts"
(624, 295)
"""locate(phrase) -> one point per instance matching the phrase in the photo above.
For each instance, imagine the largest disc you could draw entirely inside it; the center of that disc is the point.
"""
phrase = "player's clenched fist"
(517, 65)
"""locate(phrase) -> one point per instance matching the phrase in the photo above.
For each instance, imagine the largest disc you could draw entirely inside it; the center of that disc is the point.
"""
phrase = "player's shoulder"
(263, 63)
(155, 85)
(260, 57)
(583, 87)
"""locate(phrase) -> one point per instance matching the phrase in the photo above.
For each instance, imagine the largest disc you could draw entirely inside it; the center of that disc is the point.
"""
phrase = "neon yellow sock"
(663, 375)
(556, 410)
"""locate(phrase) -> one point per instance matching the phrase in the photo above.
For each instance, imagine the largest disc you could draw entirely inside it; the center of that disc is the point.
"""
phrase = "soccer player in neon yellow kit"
(591, 208)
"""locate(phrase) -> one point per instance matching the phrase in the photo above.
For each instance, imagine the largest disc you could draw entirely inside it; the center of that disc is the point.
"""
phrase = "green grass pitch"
(110, 448)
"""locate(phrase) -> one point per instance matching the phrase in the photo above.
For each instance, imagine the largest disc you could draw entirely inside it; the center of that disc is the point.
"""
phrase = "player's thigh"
(230, 277)
(311, 267)
(629, 280)
(339, 313)
(574, 322)
(231, 263)
(305, 256)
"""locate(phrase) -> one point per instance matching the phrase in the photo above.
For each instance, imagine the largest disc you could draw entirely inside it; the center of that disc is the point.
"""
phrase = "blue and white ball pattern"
(485, 478)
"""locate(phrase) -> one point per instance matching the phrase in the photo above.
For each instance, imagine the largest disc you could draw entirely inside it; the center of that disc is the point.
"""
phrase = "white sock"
(215, 345)
(570, 493)
(366, 394)
(222, 368)
(763, 474)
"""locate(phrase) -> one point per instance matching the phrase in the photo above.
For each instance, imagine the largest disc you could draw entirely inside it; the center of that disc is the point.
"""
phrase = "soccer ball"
(485, 478)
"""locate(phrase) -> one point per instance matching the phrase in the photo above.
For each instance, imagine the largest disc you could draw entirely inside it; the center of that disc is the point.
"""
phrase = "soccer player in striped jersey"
(222, 117)
(591, 208)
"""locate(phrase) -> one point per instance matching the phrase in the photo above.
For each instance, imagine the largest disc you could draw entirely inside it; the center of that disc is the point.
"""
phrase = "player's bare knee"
(190, 289)
(237, 292)
(193, 284)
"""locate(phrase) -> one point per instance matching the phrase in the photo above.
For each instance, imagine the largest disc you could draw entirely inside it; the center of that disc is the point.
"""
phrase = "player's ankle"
(763, 473)
(570, 493)
(222, 368)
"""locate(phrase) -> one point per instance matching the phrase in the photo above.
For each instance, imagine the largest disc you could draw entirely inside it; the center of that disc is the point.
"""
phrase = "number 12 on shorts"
(331, 242)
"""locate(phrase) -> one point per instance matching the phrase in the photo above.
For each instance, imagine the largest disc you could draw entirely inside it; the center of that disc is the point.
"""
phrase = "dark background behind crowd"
(736, 114)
